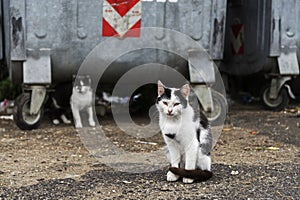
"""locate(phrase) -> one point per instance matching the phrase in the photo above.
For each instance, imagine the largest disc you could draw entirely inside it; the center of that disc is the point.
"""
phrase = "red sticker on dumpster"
(121, 18)
(237, 39)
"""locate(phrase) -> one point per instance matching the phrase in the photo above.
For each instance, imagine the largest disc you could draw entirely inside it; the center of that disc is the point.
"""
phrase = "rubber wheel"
(23, 119)
(277, 104)
(218, 115)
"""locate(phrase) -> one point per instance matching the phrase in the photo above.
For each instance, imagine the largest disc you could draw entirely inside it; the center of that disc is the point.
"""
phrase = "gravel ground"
(256, 157)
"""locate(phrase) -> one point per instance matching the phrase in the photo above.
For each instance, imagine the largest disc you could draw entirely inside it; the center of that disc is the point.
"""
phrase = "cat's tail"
(196, 174)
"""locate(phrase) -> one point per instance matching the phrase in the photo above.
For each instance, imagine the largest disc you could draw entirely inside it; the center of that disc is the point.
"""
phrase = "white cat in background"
(82, 99)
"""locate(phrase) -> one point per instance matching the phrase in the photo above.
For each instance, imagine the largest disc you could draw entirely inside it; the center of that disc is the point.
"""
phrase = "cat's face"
(171, 101)
(82, 84)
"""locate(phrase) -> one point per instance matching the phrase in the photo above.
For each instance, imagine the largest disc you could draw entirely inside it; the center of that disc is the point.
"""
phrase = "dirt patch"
(257, 156)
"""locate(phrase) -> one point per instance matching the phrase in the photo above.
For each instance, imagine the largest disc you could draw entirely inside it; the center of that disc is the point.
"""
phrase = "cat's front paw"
(92, 123)
(65, 119)
(67, 122)
(78, 125)
(172, 177)
(188, 180)
(55, 121)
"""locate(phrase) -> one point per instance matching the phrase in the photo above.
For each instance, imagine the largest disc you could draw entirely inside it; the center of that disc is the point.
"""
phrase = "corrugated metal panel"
(218, 20)
(1, 32)
(289, 23)
(285, 29)
(247, 40)
(72, 28)
(275, 28)
(17, 30)
(285, 35)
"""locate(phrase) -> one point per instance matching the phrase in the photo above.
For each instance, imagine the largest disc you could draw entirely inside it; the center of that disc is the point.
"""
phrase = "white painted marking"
(125, 23)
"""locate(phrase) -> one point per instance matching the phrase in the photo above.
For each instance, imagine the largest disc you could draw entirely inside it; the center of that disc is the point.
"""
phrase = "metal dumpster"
(46, 41)
(263, 36)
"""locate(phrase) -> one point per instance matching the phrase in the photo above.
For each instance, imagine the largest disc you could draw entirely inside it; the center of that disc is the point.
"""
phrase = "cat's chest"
(182, 130)
(82, 99)
(170, 126)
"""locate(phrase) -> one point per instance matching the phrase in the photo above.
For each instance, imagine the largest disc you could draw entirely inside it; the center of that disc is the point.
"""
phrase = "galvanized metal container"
(46, 41)
(263, 36)
(258, 30)
(68, 30)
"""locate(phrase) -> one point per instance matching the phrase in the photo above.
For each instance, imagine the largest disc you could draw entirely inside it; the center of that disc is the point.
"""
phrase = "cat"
(186, 132)
(82, 99)
(60, 103)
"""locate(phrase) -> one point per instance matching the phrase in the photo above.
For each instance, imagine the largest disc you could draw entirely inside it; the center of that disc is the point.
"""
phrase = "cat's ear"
(185, 90)
(160, 88)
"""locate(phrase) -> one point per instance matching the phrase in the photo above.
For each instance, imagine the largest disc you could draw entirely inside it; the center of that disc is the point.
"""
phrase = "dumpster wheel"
(277, 104)
(218, 115)
(22, 117)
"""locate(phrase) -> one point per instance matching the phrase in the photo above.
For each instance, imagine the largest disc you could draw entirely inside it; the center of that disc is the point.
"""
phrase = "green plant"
(8, 90)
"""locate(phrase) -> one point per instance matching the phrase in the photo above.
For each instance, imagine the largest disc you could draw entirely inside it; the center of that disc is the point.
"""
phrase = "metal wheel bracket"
(37, 67)
(201, 67)
(291, 94)
(276, 85)
(38, 95)
(204, 95)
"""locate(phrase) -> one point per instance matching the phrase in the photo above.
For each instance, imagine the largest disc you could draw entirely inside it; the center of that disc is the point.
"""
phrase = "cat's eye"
(176, 104)
(166, 103)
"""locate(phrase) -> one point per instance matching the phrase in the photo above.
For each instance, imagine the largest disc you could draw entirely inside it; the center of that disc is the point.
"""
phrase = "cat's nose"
(170, 111)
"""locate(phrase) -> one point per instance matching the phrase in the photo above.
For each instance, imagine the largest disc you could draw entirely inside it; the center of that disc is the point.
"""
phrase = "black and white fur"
(186, 134)
(82, 99)
(60, 103)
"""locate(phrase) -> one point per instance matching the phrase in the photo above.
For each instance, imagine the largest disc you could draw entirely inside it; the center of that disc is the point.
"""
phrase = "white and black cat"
(186, 132)
(82, 99)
